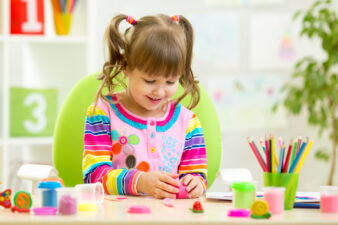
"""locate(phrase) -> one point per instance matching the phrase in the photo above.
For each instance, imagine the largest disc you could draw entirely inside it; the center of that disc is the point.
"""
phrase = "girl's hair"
(156, 45)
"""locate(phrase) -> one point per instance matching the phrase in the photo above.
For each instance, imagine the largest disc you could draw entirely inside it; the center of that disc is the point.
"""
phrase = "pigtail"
(116, 61)
(188, 81)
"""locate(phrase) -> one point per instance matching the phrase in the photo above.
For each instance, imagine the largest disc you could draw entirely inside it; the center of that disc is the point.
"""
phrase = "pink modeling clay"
(121, 197)
(239, 212)
(141, 209)
(183, 191)
(45, 211)
(168, 202)
(67, 205)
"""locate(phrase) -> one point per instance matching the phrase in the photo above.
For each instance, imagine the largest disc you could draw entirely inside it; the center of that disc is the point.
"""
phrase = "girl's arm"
(97, 157)
(194, 158)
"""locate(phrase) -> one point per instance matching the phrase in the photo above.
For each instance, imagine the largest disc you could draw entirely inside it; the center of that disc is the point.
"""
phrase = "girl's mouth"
(154, 100)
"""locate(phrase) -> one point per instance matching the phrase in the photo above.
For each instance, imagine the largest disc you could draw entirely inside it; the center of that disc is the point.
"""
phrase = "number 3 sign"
(32, 112)
(27, 17)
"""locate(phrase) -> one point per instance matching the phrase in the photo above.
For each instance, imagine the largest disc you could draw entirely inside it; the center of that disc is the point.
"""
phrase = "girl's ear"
(125, 71)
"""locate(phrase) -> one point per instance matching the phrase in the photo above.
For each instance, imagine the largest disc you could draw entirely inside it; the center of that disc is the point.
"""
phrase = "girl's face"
(150, 93)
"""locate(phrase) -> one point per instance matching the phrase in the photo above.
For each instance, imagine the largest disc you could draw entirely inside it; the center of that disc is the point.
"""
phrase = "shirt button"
(152, 149)
(152, 123)
(152, 134)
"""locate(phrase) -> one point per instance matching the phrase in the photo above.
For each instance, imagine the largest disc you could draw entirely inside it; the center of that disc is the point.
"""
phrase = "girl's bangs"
(160, 55)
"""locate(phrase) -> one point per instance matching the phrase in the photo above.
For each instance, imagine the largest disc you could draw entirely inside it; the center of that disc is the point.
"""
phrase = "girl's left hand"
(193, 185)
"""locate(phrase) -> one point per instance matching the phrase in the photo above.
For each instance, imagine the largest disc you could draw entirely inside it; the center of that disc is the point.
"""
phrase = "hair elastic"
(131, 20)
(175, 18)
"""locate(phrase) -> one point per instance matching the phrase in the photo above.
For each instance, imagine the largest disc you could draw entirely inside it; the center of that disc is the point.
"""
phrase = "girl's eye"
(171, 82)
(149, 81)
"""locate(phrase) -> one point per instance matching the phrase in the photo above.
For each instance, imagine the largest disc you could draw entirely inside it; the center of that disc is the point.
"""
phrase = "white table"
(115, 213)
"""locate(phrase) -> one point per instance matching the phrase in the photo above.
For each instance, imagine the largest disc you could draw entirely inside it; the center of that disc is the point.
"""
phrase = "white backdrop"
(236, 42)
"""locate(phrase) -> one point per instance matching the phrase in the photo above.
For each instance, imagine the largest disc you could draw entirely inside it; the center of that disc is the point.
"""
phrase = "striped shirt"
(119, 146)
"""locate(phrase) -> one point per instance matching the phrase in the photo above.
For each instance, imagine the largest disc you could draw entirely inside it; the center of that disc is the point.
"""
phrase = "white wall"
(236, 152)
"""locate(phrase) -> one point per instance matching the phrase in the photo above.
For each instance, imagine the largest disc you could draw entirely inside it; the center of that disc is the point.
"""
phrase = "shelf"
(46, 39)
(31, 141)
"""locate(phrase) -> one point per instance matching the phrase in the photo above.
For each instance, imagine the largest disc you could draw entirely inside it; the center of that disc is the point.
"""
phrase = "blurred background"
(244, 52)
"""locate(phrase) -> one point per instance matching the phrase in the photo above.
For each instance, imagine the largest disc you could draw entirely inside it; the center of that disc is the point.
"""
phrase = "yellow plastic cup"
(62, 22)
(287, 180)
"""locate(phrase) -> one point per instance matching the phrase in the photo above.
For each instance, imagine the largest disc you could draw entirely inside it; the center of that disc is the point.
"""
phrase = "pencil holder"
(62, 22)
(287, 180)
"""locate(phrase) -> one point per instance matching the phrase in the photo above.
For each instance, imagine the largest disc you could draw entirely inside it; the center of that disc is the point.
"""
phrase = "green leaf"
(296, 15)
(275, 107)
(321, 154)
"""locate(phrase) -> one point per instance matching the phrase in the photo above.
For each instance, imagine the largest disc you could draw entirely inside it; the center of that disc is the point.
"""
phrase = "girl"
(139, 140)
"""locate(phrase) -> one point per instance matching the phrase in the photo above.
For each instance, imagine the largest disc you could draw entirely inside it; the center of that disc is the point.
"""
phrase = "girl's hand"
(158, 184)
(194, 186)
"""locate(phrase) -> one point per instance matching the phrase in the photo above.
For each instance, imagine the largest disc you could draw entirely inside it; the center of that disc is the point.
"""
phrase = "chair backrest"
(69, 129)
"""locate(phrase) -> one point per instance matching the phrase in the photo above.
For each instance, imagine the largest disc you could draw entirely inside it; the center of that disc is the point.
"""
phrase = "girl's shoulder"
(184, 111)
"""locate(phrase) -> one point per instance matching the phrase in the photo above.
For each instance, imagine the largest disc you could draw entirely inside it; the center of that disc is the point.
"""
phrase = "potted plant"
(314, 83)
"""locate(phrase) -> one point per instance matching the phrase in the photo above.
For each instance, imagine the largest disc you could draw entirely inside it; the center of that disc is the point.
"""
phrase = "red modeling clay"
(142, 209)
(5, 198)
(197, 207)
(17, 209)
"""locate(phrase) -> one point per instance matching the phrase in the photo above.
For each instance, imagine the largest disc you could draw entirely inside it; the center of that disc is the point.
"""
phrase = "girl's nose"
(158, 91)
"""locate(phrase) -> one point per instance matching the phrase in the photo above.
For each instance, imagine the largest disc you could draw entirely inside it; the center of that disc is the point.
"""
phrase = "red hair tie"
(131, 20)
(175, 18)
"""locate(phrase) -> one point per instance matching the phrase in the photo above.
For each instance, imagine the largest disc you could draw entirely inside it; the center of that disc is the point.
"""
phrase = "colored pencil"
(280, 142)
(293, 153)
(281, 157)
(257, 149)
(294, 163)
(273, 153)
(267, 154)
(303, 157)
(257, 154)
(261, 143)
(270, 155)
(286, 163)
(299, 144)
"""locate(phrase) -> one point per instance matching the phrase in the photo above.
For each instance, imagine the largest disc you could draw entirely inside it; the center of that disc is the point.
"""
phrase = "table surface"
(215, 212)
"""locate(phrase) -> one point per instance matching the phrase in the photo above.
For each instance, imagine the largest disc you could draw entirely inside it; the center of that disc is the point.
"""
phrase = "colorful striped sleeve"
(194, 158)
(97, 157)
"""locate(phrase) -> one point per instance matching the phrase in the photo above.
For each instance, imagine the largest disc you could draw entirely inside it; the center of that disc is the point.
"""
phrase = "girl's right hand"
(158, 184)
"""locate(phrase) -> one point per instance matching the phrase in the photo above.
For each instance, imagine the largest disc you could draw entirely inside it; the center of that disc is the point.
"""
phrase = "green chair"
(68, 133)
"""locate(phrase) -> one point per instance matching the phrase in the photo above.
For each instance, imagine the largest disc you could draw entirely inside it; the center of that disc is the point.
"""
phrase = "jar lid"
(243, 186)
(50, 184)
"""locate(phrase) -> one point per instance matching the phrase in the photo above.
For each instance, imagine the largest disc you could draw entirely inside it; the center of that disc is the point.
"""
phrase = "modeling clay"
(67, 205)
(23, 200)
(259, 207)
(20, 210)
(45, 211)
(168, 202)
(265, 216)
(197, 207)
(182, 191)
(239, 212)
(5, 198)
(259, 210)
(121, 197)
(141, 209)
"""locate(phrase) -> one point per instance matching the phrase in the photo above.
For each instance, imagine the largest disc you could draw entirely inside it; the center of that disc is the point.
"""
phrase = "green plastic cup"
(243, 194)
(287, 180)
